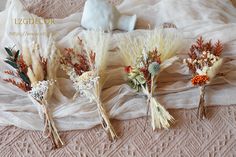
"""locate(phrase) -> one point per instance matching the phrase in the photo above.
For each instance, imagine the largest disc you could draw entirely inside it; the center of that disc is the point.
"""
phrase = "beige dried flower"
(37, 67)
(31, 76)
(26, 56)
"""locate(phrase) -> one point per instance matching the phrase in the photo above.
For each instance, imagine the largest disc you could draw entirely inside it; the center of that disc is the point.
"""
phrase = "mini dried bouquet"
(145, 58)
(85, 64)
(35, 75)
(204, 62)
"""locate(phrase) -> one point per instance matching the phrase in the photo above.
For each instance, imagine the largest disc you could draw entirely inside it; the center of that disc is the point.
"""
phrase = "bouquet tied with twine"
(85, 64)
(35, 75)
(145, 58)
(204, 62)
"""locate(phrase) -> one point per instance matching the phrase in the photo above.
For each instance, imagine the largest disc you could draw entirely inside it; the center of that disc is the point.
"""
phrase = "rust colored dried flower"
(92, 56)
(77, 61)
(22, 65)
(154, 56)
(203, 54)
(9, 72)
(200, 80)
(20, 85)
(201, 46)
(218, 48)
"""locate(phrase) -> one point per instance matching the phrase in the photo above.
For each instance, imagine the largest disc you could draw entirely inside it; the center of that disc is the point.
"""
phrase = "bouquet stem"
(50, 129)
(106, 124)
(160, 117)
(201, 112)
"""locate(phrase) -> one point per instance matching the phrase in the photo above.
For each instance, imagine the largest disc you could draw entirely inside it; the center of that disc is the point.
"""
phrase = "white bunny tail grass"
(36, 64)
(26, 55)
(98, 42)
(160, 117)
(53, 58)
(130, 48)
(168, 42)
(201, 111)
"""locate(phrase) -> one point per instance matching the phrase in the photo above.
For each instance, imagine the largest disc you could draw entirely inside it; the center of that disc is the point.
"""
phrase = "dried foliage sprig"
(30, 75)
(204, 62)
(16, 61)
(145, 58)
(86, 65)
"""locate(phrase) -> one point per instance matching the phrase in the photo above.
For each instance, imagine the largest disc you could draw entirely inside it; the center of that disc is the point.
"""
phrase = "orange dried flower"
(200, 80)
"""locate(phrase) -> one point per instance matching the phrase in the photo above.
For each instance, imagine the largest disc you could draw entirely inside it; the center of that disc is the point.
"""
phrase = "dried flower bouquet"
(36, 76)
(85, 64)
(144, 59)
(204, 62)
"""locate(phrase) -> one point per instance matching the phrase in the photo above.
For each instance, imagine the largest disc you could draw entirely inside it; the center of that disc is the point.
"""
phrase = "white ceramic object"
(3, 4)
(100, 15)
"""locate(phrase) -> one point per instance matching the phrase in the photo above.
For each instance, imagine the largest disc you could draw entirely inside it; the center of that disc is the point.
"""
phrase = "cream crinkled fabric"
(211, 19)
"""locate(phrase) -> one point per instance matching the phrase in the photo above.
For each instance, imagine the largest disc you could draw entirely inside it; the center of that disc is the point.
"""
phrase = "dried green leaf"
(10, 59)
(24, 77)
(140, 79)
(9, 51)
(13, 64)
(16, 55)
(133, 84)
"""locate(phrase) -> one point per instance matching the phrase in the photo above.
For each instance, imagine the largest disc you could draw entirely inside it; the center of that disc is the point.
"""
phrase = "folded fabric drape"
(213, 19)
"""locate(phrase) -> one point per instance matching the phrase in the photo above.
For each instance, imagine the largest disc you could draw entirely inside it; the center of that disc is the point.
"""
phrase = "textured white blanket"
(213, 19)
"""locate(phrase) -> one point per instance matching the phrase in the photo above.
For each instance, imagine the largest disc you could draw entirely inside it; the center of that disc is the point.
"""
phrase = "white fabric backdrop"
(214, 19)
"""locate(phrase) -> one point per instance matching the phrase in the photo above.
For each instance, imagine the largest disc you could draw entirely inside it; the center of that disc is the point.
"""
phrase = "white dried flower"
(84, 82)
(189, 60)
(202, 71)
(141, 65)
(39, 91)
